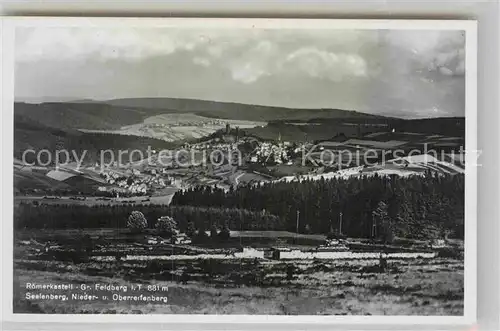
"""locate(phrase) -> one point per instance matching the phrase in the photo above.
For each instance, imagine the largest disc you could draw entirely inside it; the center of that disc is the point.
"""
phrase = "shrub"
(450, 253)
(87, 244)
(307, 229)
(200, 237)
(190, 230)
(224, 234)
(289, 272)
(335, 234)
(137, 222)
(213, 232)
(331, 235)
(166, 225)
(154, 266)
(119, 256)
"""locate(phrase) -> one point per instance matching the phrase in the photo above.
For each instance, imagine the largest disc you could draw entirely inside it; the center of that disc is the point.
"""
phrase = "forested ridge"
(412, 207)
(383, 207)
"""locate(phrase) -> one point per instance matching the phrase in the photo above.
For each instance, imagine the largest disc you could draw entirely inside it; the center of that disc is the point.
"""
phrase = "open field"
(265, 287)
(417, 165)
(198, 284)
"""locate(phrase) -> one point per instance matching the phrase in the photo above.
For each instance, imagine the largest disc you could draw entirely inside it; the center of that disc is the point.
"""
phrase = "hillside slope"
(98, 116)
(237, 111)
(29, 134)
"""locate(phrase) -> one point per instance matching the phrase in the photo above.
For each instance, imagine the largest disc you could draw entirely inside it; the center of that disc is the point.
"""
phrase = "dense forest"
(382, 207)
(413, 207)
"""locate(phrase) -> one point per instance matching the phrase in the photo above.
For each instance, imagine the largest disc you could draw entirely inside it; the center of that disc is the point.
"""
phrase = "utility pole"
(374, 225)
(297, 226)
(340, 223)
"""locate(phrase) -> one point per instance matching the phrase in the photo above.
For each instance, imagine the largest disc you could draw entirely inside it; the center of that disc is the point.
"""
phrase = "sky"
(401, 73)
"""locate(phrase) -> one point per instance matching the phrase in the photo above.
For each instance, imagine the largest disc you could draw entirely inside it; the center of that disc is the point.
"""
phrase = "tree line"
(430, 206)
(66, 216)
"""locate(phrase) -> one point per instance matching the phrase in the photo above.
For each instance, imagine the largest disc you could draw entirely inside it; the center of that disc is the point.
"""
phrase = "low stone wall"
(251, 253)
(248, 253)
(300, 255)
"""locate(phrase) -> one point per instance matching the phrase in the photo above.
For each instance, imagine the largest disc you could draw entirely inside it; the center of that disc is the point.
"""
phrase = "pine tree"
(383, 222)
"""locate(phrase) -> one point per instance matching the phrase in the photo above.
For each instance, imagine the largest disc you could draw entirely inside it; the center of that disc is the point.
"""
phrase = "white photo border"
(7, 32)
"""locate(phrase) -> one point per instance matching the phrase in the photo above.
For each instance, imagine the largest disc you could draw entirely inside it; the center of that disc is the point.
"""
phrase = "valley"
(243, 169)
(262, 203)
(168, 149)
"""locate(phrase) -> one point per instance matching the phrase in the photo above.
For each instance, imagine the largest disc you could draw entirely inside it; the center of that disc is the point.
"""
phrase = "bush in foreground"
(224, 234)
(137, 222)
(167, 226)
(450, 253)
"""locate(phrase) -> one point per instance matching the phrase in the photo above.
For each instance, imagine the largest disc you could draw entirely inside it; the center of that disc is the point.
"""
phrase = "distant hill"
(330, 129)
(446, 126)
(45, 124)
(84, 115)
(113, 114)
(84, 101)
(29, 134)
(236, 111)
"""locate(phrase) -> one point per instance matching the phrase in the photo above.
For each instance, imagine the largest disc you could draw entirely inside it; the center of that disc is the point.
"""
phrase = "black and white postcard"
(239, 170)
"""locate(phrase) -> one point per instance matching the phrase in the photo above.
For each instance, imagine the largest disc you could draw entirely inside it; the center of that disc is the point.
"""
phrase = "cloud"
(265, 58)
(340, 54)
(35, 44)
(257, 61)
(387, 71)
(247, 72)
(442, 52)
(215, 51)
(201, 61)
(327, 65)
(449, 63)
